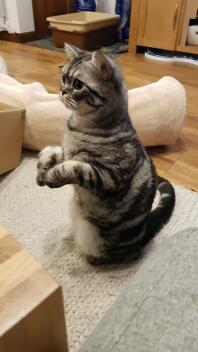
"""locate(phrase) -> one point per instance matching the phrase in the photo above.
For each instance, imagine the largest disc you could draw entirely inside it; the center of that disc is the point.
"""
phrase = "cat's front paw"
(41, 178)
(49, 178)
(49, 157)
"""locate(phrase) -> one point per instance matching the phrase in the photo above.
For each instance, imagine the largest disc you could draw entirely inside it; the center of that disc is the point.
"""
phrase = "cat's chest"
(71, 143)
(88, 202)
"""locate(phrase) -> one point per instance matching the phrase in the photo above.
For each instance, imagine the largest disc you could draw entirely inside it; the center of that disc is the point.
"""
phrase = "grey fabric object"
(158, 310)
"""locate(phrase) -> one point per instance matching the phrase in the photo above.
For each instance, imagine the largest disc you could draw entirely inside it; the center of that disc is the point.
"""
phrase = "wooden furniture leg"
(134, 23)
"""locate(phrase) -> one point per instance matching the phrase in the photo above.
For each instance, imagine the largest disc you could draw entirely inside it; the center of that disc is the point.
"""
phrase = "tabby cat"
(114, 179)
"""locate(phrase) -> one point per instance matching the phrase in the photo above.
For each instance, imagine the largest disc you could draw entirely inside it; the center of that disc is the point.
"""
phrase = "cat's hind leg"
(88, 238)
(98, 260)
(89, 242)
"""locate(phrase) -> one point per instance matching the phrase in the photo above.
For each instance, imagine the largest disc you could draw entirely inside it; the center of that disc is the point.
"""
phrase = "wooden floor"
(178, 163)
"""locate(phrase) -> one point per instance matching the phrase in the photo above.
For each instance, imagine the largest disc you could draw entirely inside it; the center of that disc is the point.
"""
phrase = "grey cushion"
(158, 310)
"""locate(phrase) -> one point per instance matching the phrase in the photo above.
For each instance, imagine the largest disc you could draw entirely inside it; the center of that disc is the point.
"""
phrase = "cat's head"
(92, 85)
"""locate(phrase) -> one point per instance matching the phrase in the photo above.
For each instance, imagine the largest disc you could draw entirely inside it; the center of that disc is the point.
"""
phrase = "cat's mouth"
(68, 101)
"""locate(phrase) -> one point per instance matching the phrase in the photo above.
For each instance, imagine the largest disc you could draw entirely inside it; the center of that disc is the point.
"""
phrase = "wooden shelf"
(190, 49)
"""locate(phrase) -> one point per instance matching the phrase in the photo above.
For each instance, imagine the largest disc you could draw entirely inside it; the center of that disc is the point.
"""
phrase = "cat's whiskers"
(69, 102)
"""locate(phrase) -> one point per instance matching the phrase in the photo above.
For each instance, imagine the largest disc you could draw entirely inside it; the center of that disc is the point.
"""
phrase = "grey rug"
(38, 218)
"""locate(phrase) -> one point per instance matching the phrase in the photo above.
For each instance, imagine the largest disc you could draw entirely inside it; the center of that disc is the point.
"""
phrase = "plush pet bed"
(156, 110)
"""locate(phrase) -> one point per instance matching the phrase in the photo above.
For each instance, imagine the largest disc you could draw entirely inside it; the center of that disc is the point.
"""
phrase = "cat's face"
(89, 84)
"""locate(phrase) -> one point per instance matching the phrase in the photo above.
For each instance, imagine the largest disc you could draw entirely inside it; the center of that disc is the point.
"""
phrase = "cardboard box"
(11, 136)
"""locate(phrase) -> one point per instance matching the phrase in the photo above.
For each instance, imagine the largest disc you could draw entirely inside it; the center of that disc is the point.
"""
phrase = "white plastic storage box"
(192, 38)
(86, 30)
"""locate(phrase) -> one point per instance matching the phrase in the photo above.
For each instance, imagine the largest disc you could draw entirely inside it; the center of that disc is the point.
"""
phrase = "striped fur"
(114, 179)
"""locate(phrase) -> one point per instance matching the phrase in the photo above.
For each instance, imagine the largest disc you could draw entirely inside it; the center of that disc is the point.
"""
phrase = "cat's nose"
(64, 92)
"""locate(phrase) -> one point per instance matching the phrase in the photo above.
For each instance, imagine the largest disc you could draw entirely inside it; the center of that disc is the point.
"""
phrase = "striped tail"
(163, 211)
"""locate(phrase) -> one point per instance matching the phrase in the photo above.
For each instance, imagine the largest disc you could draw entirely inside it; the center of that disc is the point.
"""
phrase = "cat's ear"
(72, 51)
(102, 64)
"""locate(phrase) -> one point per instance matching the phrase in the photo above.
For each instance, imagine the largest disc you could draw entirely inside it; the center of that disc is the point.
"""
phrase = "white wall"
(2, 12)
(25, 15)
(106, 5)
(2, 9)
(19, 15)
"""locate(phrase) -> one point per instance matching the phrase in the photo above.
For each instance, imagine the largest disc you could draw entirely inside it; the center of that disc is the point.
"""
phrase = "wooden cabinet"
(45, 8)
(158, 23)
(189, 11)
(161, 24)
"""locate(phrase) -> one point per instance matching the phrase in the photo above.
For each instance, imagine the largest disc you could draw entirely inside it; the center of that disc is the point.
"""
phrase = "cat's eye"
(77, 84)
(63, 79)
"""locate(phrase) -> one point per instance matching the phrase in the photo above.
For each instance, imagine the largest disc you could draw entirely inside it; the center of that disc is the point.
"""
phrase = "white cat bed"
(45, 114)
(157, 111)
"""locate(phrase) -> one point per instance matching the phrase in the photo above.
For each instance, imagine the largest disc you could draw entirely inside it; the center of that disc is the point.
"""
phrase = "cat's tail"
(163, 211)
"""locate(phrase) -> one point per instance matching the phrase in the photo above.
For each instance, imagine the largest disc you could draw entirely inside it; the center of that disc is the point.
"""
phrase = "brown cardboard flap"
(5, 107)
(11, 136)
